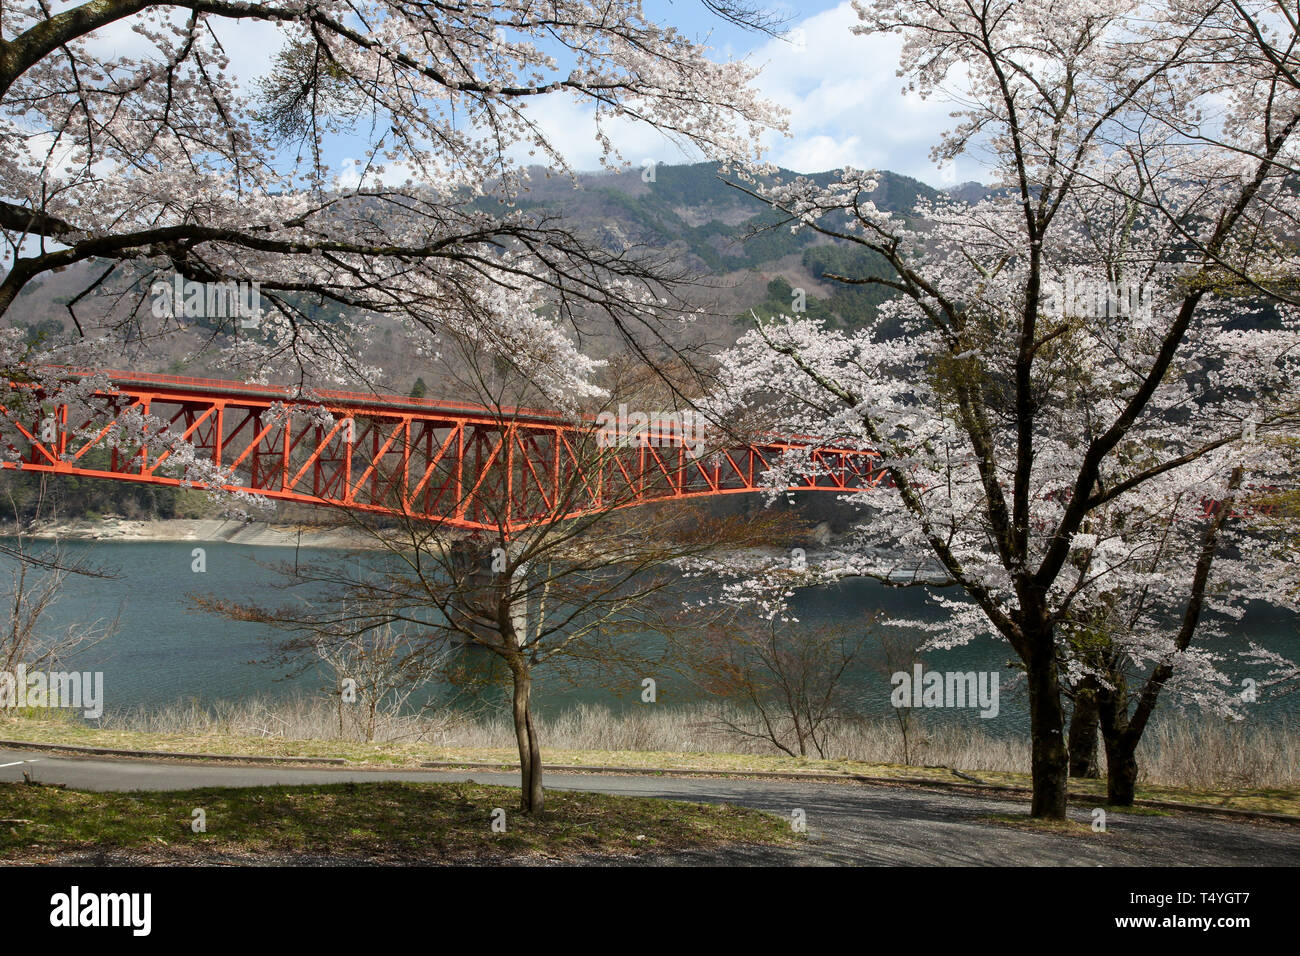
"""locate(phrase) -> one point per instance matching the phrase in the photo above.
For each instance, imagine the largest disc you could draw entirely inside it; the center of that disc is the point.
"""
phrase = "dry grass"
(1201, 754)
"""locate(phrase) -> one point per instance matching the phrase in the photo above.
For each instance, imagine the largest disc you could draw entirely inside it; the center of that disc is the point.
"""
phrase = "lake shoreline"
(200, 530)
(260, 533)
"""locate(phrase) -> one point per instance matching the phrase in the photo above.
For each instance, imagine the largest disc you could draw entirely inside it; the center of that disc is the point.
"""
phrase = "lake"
(166, 651)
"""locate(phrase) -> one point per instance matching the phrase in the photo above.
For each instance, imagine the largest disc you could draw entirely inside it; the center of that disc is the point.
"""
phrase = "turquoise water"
(166, 651)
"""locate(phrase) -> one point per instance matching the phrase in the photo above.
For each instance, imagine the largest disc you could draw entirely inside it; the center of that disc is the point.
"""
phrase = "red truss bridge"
(454, 463)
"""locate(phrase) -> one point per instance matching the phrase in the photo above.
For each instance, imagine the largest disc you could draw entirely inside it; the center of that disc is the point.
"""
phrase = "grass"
(1177, 750)
(1020, 822)
(52, 727)
(370, 822)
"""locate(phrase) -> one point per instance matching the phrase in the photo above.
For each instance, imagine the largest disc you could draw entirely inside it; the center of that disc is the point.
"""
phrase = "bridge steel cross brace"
(454, 463)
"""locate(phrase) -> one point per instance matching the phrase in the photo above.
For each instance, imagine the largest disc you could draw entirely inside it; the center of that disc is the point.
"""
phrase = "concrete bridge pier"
(482, 587)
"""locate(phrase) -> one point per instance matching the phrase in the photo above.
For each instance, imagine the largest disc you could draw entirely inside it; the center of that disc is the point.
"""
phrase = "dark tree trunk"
(1121, 773)
(1051, 764)
(1121, 746)
(531, 796)
(1083, 731)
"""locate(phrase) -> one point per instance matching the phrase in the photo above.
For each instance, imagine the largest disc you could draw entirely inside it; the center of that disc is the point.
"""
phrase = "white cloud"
(569, 125)
(847, 105)
(353, 173)
(251, 46)
(809, 154)
(847, 108)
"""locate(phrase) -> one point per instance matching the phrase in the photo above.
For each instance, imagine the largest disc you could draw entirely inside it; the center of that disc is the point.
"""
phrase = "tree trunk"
(1121, 773)
(531, 797)
(1122, 732)
(1083, 731)
(536, 797)
(1051, 763)
(1121, 746)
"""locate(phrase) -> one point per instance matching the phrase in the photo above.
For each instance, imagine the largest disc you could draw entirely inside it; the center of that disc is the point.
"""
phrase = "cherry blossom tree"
(1084, 361)
(126, 169)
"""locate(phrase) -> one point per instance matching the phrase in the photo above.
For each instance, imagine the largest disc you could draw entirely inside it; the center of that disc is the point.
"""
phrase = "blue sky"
(846, 101)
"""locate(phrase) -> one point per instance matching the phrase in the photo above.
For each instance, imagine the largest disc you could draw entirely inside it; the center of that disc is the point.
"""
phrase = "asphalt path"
(847, 823)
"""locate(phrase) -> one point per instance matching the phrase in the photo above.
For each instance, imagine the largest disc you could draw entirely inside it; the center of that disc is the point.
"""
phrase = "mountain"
(690, 208)
(751, 261)
(747, 261)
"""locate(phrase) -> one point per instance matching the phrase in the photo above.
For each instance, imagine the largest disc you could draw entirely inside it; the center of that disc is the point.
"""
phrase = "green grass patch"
(373, 822)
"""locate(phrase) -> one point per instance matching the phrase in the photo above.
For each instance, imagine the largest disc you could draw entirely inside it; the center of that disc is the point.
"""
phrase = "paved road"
(848, 823)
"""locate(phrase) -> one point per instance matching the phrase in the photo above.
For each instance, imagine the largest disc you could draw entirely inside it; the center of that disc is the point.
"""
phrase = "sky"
(846, 101)
(847, 106)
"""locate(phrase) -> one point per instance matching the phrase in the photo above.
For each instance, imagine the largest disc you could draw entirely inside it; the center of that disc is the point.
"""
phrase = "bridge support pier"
(482, 589)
